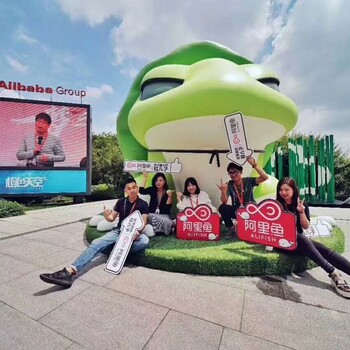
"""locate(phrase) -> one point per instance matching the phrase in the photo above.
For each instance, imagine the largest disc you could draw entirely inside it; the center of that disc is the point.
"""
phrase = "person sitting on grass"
(123, 208)
(288, 195)
(160, 204)
(192, 196)
(239, 189)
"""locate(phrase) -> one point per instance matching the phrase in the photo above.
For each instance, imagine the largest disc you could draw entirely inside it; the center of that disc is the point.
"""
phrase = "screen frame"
(57, 168)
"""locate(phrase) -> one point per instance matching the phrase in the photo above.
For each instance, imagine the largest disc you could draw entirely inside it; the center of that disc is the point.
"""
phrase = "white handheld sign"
(129, 226)
(237, 139)
(153, 167)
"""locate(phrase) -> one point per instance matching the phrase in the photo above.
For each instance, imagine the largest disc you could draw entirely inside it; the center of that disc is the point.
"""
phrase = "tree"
(342, 174)
(107, 162)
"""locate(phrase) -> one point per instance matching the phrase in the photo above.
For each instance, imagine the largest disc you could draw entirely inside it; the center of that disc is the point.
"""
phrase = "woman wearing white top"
(192, 196)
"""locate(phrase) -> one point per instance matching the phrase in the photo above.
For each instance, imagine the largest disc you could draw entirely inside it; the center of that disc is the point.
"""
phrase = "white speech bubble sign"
(121, 249)
(318, 229)
(153, 167)
(237, 140)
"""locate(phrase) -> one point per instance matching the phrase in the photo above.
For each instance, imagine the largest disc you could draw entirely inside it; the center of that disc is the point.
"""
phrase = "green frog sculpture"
(177, 105)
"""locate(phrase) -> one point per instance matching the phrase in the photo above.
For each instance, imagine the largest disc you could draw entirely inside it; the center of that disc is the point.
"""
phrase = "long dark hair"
(290, 182)
(192, 181)
(155, 178)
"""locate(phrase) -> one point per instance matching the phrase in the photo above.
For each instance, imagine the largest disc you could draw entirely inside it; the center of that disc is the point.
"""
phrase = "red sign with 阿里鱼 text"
(267, 223)
(199, 224)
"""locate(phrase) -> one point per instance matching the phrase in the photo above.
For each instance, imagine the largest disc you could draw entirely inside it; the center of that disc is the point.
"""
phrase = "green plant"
(107, 162)
(102, 192)
(225, 257)
(9, 208)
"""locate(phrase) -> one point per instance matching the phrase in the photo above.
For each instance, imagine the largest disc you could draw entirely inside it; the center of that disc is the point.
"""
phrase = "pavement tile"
(184, 293)
(266, 285)
(84, 210)
(61, 258)
(59, 238)
(80, 245)
(11, 268)
(28, 221)
(76, 346)
(36, 298)
(95, 273)
(100, 318)
(14, 228)
(314, 288)
(50, 220)
(179, 331)
(233, 340)
(18, 331)
(26, 249)
(296, 325)
(313, 321)
(76, 227)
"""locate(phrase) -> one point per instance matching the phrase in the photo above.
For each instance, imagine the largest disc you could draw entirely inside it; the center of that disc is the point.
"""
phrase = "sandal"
(340, 285)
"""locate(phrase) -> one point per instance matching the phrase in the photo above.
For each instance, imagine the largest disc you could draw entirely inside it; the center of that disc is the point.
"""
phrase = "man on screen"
(43, 149)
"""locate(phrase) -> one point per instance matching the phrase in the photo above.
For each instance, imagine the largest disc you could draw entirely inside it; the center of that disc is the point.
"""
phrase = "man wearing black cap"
(239, 189)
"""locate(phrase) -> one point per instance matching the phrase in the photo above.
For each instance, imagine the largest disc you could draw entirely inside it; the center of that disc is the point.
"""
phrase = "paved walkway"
(149, 309)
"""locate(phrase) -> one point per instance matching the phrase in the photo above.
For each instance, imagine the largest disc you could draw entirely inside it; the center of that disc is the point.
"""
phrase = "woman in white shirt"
(192, 196)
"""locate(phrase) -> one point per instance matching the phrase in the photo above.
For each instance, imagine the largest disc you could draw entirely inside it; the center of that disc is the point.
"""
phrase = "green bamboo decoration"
(321, 181)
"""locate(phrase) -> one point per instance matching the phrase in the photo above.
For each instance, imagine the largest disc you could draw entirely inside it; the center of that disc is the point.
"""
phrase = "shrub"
(101, 192)
(9, 208)
(225, 257)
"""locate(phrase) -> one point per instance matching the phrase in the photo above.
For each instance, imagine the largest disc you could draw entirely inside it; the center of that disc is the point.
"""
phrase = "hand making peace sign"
(300, 206)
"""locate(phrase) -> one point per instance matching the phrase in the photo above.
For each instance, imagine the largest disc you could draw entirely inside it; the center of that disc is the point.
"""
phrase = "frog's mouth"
(185, 136)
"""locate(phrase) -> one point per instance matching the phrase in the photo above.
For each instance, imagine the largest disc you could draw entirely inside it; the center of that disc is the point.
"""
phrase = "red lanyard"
(192, 203)
(240, 195)
(132, 208)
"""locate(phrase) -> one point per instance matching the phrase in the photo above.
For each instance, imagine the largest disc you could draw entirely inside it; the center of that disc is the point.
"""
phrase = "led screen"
(44, 147)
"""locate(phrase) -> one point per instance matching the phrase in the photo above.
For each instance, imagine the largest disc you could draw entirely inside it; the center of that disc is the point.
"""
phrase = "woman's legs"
(306, 247)
(161, 223)
(334, 258)
(328, 260)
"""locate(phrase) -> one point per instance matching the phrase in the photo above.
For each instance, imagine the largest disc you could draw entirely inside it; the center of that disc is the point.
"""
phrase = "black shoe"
(61, 278)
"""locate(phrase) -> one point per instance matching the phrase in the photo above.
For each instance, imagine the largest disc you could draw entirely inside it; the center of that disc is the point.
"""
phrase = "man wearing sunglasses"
(239, 189)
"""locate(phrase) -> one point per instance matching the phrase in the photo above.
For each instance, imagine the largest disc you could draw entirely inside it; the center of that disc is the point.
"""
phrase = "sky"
(100, 46)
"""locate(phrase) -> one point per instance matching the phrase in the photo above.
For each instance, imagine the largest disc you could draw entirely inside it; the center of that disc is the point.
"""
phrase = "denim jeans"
(106, 243)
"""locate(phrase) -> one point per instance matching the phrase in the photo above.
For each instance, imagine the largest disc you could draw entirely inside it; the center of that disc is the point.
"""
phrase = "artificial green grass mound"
(226, 257)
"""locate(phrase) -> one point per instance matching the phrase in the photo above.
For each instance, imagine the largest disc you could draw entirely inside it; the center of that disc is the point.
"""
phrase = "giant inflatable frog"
(176, 109)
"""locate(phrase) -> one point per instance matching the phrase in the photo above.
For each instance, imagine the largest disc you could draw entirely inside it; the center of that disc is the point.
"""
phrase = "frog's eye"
(271, 83)
(154, 87)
